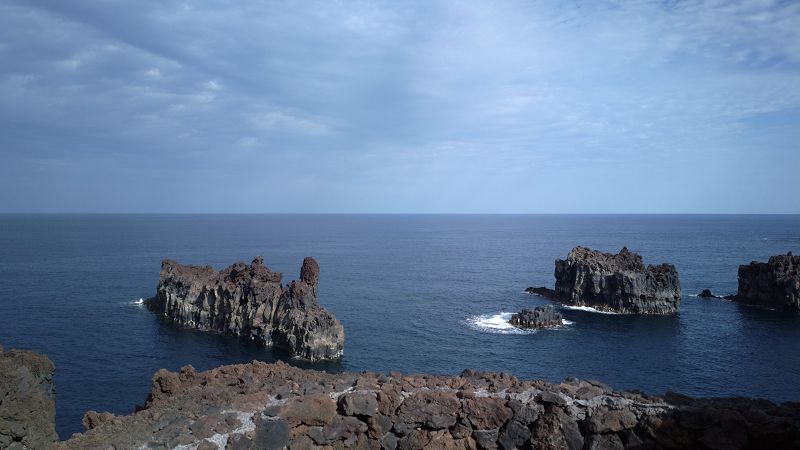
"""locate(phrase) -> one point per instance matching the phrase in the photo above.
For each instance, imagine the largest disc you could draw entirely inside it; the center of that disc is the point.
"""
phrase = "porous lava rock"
(273, 406)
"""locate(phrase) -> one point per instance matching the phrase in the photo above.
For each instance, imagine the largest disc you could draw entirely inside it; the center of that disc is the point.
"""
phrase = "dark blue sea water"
(414, 292)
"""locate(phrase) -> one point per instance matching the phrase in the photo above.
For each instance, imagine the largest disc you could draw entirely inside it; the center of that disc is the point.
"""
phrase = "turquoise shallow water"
(416, 293)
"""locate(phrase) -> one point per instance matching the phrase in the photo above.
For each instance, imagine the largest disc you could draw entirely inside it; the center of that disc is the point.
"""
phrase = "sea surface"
(415, 293)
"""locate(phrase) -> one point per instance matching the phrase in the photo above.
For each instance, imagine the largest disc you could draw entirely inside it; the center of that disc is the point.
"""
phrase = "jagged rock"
(619, 283)
(275, 408)
(706, 293)
(251, 302)
(27, 400)
(539, 317)
(774, 284)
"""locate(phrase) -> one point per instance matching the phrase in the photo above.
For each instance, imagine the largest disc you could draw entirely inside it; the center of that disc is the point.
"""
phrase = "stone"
(539, 317)
(271, 434)
(706, 293)
(514, 435)
(311, 410)
(611, 421)
(487, 412)
(93, 419)
(619, 283)
(774, 284)
(250, 301)
(359, 404)
(27, 400)
(605, 442)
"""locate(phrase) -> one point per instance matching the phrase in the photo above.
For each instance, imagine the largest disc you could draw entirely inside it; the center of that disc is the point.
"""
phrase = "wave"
(138, 302)
(498, 324)
(587, 309)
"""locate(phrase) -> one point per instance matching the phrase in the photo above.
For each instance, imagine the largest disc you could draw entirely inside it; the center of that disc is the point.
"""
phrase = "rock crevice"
(250, 301)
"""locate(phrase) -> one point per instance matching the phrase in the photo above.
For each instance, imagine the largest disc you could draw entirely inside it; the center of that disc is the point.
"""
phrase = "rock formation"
(619, 283)
(27, 400)
(774, 284)
(706, 293)
(273, 406)
(539, 317)
(251, 302)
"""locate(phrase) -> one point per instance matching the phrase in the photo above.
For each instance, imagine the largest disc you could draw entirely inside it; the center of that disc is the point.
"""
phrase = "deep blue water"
(409, 290)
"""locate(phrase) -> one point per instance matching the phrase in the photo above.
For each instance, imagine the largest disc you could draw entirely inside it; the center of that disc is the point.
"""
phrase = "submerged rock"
(539, 317)
(619, 283)
(27, 400)
(773, 284)
(250, 301)
(279, 406)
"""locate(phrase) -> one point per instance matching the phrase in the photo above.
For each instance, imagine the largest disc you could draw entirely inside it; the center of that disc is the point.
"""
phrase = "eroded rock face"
(539, 317)
(274, 406)
(250, 301)
(773, 284)
(27, 400)
(619, 283)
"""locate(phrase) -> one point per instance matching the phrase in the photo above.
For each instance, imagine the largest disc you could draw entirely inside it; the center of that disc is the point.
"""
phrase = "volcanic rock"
(284, 406)
(27, 400)
(250, 301)
(539, 317)
(618, 283)
(774, 284)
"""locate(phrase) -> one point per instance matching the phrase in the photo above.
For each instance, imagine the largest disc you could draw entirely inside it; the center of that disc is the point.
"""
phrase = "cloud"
(382, 104)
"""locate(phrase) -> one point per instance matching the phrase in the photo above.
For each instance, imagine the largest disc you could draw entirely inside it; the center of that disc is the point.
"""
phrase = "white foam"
(498, 324)
(495, 323)
(587, 309)
(138, 302)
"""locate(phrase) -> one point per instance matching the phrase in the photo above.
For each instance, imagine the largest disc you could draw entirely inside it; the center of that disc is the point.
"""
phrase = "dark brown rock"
(27, 400)
(249, 301)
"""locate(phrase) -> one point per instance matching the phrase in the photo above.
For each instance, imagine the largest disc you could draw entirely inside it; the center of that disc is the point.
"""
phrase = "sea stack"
(27, 400)
(773, 284)
(618, 283)
(539, 317)
(250, 301)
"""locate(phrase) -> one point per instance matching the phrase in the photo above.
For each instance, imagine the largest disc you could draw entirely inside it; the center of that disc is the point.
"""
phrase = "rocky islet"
(250, 301)
(614, 282)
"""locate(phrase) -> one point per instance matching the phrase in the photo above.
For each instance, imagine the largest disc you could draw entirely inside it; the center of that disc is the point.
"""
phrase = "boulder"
(250, 301)
(539, 317)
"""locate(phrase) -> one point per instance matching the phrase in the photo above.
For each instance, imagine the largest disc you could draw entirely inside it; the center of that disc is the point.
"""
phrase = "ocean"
(415, 293)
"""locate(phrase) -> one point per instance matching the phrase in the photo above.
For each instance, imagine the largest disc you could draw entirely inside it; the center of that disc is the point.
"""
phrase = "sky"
(400, 107)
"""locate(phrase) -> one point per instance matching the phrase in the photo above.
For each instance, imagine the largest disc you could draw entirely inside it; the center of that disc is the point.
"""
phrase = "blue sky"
(457, 106)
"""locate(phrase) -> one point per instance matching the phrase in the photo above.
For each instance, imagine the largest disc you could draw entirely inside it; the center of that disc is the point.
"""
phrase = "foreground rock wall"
(774, 284)
(250, 301)
(27, 400)
(271, 406)
(620, 283)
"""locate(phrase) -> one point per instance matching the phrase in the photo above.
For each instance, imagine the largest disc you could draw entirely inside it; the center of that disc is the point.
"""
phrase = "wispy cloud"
(412, 106)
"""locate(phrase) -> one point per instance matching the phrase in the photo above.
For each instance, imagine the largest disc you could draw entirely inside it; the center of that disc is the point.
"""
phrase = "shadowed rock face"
(250, 301)
(620, 283)
(27, 400)
(539, 317)
(271, 406)
(774, 284)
